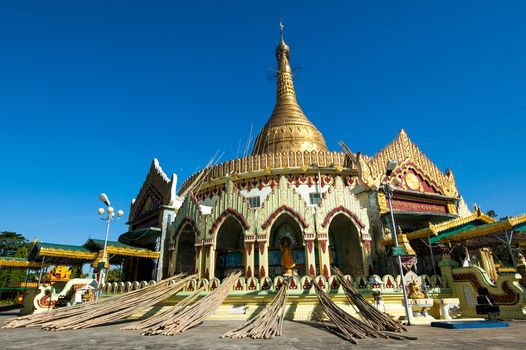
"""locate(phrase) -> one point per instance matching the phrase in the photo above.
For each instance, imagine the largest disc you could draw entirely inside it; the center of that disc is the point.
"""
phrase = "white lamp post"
(391, 165)
(109, 218)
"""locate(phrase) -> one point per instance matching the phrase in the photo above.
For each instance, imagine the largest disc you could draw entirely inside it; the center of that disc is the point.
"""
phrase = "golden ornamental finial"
(281, 26)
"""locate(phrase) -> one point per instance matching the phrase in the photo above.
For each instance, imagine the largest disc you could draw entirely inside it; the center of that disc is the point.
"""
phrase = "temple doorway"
(185, 252)
(286, 253)
(346, 251)
(230, 252)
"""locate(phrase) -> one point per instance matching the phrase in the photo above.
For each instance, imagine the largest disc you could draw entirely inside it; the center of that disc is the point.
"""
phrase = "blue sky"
(91, 91)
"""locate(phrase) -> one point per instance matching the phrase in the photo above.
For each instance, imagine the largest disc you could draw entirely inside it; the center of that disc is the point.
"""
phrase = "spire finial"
(281, 26)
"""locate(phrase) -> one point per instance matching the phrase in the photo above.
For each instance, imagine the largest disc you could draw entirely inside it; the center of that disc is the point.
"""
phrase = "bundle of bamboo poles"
(166, 314)
(347, 326)
(103, 311)
(268, 323)
(193, 315)
(376, 318)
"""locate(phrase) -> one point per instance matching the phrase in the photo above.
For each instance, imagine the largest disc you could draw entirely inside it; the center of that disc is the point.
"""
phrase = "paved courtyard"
(297, 336)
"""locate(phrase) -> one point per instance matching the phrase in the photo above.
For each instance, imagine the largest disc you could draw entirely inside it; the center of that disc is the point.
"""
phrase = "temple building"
(293, 206)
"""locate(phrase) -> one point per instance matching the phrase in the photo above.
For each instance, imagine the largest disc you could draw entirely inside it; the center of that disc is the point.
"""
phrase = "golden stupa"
(288, 129)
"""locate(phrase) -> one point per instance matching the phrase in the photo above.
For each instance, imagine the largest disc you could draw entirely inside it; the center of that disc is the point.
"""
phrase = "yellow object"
(288, 129)
(287, 261)
(60, 273)
(414, 291)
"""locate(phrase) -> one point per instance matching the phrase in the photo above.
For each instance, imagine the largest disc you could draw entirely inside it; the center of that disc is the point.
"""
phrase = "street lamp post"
(391, 165)
(109, 218)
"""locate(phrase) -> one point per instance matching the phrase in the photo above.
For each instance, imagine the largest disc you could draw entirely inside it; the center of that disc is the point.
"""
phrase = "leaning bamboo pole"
(91, 308)
(166, 314)
(376, 318)
(268, 323)
(347, 326)
(123, 308)
(195, 314)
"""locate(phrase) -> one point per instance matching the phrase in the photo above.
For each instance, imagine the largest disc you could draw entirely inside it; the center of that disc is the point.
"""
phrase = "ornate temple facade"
(293, 206)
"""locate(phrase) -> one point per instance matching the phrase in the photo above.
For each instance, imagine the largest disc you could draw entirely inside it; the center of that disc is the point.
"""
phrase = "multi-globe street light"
(108, 218)
(388, 188)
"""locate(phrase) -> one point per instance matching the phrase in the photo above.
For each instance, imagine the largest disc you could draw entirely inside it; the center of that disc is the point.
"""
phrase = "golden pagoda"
(288, 129)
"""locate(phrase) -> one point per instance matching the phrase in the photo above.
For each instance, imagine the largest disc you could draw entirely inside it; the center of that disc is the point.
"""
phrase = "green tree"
(114, 275)
(10, 242)
(492, 214)
(13, 245)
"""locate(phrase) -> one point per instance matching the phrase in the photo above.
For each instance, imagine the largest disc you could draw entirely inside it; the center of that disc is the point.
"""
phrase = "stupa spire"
(287, 129)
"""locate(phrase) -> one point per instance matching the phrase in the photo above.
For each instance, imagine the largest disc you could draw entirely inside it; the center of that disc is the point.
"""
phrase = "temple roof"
(288, 129)
(21, 263)
(437, 232)
(117, 248)
(508, 224)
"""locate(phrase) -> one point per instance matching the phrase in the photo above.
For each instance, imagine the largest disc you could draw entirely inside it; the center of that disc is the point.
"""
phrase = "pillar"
(262, 245)
(324, 255)
(198, 258)
(210, 259)
(249, 256)
(310, 259)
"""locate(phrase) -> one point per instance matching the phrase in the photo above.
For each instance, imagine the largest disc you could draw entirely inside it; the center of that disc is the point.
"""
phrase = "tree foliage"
(114, 275)
(14, 245)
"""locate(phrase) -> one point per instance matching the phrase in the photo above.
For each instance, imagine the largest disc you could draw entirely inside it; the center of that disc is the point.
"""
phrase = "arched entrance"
(185, 250)
(286, 247)
(345, 246)
(229, 247)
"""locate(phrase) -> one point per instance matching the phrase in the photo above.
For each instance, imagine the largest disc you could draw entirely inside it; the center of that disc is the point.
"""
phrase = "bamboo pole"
(372, 315)
(194, 314)
(100, 306)
(268, 323)
(347, 326)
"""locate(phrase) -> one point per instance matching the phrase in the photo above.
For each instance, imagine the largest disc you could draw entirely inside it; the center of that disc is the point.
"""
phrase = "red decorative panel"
(310, 245)
(228, 212)
(239, 286)
(248, 274)
(312, 271)
(249, 247)
(406, 205)
(252, 285)
(325, 271)
(342, 209)
(262, 272)
(261, 247)
(278, 211)
(323, 246)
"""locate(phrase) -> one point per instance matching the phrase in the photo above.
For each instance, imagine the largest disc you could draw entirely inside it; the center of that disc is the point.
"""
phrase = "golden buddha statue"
(287, 260)
(414, 291)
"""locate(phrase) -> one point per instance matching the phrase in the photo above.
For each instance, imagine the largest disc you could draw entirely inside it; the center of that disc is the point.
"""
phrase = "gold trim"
(20, 263)
(62, 253)
(403, 150)
(434, 230)
(133, 252)
(486, 230)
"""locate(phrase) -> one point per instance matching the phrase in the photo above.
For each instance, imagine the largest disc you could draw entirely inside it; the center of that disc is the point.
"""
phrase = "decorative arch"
(284, 209)
(187, 221)
(342, 210)
(224, 215)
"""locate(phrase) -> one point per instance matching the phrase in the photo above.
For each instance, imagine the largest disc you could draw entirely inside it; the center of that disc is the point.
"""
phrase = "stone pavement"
(297, 336)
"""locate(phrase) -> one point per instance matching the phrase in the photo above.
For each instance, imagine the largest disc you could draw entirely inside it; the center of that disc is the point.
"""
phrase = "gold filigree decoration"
(404, 151)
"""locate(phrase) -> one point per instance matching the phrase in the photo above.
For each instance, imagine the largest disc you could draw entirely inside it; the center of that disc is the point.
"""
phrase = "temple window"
(315, 198)
(254, 202)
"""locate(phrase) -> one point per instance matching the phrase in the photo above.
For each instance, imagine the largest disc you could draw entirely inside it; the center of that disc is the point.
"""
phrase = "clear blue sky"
(91, 91)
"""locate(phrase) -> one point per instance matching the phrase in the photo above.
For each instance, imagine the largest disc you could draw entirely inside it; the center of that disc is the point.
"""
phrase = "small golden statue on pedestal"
(414, 291)
(287, 260)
